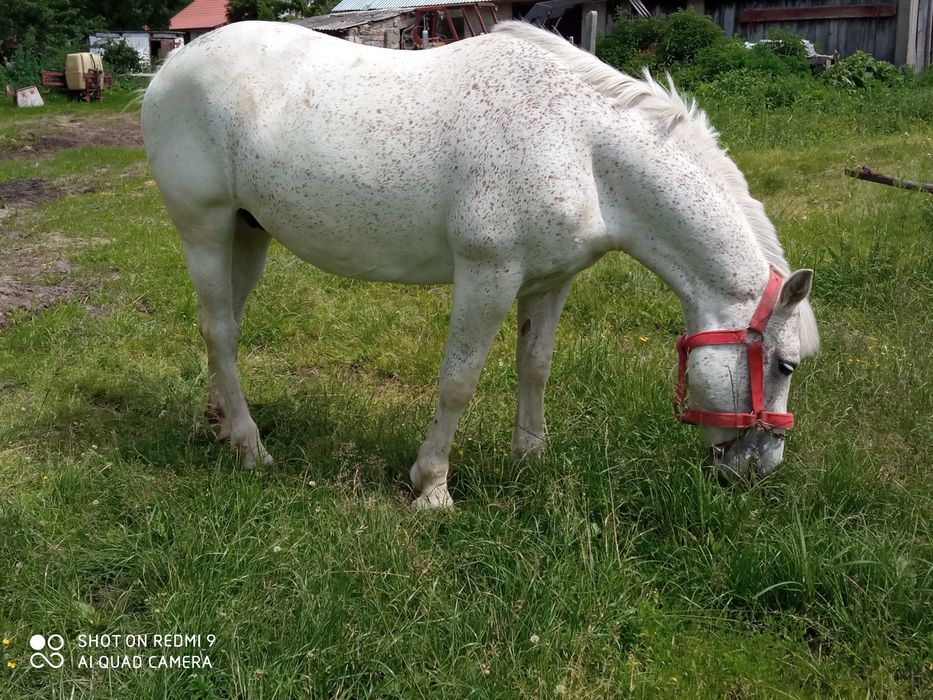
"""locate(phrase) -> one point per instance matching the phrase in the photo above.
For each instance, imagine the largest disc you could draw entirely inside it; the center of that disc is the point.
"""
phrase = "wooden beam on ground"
(866, 173)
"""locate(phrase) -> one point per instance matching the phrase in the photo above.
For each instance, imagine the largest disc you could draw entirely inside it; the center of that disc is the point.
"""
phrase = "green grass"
(614, 567)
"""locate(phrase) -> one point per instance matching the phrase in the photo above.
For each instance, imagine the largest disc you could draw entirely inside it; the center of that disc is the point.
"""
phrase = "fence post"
(589, 31)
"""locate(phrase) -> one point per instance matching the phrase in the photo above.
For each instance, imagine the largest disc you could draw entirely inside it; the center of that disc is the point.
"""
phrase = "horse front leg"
(482, 297)
(537, 329)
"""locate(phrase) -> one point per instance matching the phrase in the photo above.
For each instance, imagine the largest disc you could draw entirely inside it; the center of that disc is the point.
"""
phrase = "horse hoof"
(249, 459)
(437, 498)
(528, 447)
(532, 451)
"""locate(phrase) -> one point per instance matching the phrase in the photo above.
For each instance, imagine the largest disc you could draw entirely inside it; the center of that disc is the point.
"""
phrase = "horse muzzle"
(758, 450)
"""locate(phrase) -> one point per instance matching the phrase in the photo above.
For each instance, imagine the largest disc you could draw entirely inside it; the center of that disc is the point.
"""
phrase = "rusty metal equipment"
(441, 21)
(83, 74)
(94, 83)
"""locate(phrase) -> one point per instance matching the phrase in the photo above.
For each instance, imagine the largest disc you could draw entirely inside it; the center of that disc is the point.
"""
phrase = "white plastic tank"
(76, 65)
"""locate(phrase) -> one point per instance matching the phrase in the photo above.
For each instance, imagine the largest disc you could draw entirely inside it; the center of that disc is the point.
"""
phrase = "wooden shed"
(371, 27)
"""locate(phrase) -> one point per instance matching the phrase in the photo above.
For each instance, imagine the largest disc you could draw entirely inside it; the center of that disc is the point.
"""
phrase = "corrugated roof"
(357, 5)
(345, 20)
(200, 14)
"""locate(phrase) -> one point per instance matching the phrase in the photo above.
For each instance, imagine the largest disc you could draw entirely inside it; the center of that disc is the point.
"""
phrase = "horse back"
(335, 147)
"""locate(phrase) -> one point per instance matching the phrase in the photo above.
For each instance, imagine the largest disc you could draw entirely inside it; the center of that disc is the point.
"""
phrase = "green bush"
(685, 34)
(787, 45)
(24, 66)
(783, 56)
(771, 74)
(29, 58)
(693, 48)
(658, 43)
(119, 57)
(631, 46)
(721, 57)
(861, 70)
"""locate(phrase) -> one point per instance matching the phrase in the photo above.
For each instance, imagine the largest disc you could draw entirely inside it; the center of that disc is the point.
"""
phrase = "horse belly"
(373, 255)
(338, 223)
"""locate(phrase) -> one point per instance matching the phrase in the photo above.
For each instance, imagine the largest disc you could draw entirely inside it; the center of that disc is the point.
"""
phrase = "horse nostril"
(718, 451)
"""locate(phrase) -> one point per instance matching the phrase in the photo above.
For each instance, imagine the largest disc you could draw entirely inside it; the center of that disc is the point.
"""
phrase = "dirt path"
(36, 270)
(40, 137)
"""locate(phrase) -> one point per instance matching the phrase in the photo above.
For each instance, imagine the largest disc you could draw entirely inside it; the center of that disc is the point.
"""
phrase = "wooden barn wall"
(875, 35)
(923, 47)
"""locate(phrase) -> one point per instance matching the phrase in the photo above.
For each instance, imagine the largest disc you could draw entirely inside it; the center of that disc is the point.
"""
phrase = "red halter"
(752, 339)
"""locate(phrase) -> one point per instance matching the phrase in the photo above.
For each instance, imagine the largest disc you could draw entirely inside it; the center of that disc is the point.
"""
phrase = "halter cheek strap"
(751, 338)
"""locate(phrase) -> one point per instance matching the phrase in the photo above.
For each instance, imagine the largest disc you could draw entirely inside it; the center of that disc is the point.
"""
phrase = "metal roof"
(357, 5)
(200, 14)
(345, 20)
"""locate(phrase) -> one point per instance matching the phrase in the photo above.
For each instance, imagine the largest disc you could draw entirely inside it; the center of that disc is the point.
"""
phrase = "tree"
(38, 34)
(49, 25)
(239, 10)
(39, 25)
(130, 14)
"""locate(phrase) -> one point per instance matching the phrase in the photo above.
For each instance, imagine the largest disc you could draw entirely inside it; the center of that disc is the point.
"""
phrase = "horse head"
(739, 380)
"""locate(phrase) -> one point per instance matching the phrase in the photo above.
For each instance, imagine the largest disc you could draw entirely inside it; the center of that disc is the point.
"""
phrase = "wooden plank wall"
(846, 35)
(923, 56)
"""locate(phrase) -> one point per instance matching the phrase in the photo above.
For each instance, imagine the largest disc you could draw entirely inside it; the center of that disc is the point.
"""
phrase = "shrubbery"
(683, 35)
(771, 73)
(29, 57)
(658, 43)
(862, 70)
(752, 90)
(120, 58)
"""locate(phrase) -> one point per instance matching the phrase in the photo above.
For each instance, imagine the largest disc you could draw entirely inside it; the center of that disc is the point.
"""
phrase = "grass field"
(614, 567)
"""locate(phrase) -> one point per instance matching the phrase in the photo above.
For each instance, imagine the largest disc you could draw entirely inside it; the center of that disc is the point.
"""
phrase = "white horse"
(504, 164)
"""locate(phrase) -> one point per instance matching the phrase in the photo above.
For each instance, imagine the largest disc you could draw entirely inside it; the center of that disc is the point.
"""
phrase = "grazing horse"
(504, 164)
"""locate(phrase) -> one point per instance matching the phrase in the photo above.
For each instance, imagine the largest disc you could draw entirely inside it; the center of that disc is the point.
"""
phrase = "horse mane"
(689, 126)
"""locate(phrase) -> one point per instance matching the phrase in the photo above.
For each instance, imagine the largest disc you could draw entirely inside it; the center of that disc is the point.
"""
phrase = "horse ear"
(796, 288)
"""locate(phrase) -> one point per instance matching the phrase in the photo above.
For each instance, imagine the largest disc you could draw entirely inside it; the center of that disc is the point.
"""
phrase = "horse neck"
(662, 207)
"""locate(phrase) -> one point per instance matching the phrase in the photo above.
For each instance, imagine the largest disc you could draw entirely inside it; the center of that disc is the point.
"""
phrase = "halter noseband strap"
(751, 338)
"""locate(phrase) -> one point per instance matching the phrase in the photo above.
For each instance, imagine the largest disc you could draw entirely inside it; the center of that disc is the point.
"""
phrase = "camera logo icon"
(39, 644)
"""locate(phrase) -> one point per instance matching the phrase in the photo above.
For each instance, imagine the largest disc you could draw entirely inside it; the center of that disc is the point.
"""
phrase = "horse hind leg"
(537, 328)
(250, 249)
(209, 238)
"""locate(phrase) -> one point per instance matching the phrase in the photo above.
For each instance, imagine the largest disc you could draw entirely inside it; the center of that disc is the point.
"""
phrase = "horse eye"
(786, 367)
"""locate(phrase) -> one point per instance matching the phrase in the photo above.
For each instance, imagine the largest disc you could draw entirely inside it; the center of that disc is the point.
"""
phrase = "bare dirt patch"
(53, 134)
(26, 193)
(35, 271)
